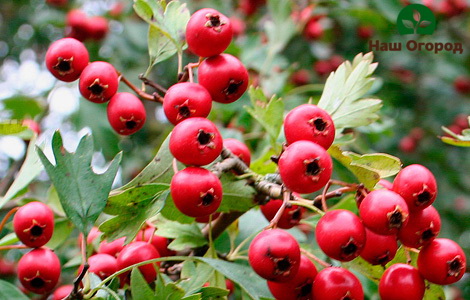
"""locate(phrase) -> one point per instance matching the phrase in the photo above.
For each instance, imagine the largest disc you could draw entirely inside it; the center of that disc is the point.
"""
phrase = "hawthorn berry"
(322, 68)
(309, 122)
(462, 84)
(299, 287)
(336, 283)
(340, 234)
(423, 226)
(76, 24)
(112, 248)
(97, 27)
(379, 249)
(407, 144)
(33, 224)
(224, 76)
(196, 141)
(196, 192)
(238, 149)
(62, 292)
(442, 261)
(66, 58)
(385, 184)
(185, 100)
(39, 270)
(103, 265)
(365, 32)
(126, 113)
(7, 267)
(305, 167)
(401, 281)
(208, 32)
(313, 29)
(300, 77)
(134, 253)
(417, 185)
(98, 82)
(275, 255)
(159, 242)
(290, 217)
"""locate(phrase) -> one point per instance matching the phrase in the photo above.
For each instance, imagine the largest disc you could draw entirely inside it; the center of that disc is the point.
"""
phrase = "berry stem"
(175, 165)
(188, 71)
(154, 97)
(277, 216)
(333, 194)
(7, 216)
(154, 85)
(314, 258)
(324, 206)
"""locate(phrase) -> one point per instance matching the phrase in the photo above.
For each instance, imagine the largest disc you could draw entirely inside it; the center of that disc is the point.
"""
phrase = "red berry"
(134, 253)
(309, 122)
(300, 77)
(99, 82)
(299, 287)
(275, 255)
(313, 29)
(62, 292)
(379, 249)
(34, 224)
(208, 32)
(322, 68)
(238, 149)
(33, 125)
(66, 58)
(442, 262)
(305, 167)
(384, 212)
(417, 185)
(290, 217)
(57, 3)
(417, 133)
(365, 32)
(76, 25)
(160, 243)
(196, 192)
(340, 234)
(335, 61)
(39, 270)
(401, 281)
(224, 76)
(423, 226)
(103, 265)
(336, 283)
(238, 26)
(126, 113)
(385, 184)
(250, 7)
(461, 120)
(7, 267)
(185, 100)
(112, 248)
(407, 144)
(196, 141)
(97, 28)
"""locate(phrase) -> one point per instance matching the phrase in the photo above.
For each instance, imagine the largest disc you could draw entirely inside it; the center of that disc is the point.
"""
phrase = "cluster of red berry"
(82, 27)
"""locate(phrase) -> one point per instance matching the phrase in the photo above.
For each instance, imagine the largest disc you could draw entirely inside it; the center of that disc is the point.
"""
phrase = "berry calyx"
(98, 82)
(290, 217)
(126, 113)
(379, 249)
(134, 253)
(423, 226)
(39, 270)
(401, 281)
(33, 224)
(335, 283)
(66, 58)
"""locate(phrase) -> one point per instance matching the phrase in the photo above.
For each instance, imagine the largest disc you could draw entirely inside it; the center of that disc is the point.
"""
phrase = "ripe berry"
(384, 212)
(224, 76)
(62, 292)
(417, 185)
(379, 249)
(66, 58)
(7, 267)
(341, 235)
(313, 29)
(126, 113)
(97, 27)
(407, 144)
(290, 217)
(238, 149)
(196, 141)
(462, 84)
(57, 3)
(322, 68)
(401, 281)
(300, 77)
(34, 224)
(185, 100)
(98, 82)
(275, 255)
(305, 167)
(385, 184)
(112, 248)
(442, 262)
(299, 287)
(76, 24)
(208, 32)
(365, 32)
(39, 270)
(423, 226)
(160, 243)
(103, 265)
(309, 122)
(336, 283)
(134, 253)
(196, 192)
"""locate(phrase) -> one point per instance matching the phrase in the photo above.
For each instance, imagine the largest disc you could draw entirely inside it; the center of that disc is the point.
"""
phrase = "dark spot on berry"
(297, 214)
(427, 234)
(455, 266)
(349, 249)
(395, 218)
(215, 20)
(283, 265)
(36, 230)
(96, 89)
(313, 168)
(319, 124)
(232, 87)
(207, 199)
(423, 197)
(203, 137)
(37, 283)
(63, 65)
(131, 124)
(184, 111)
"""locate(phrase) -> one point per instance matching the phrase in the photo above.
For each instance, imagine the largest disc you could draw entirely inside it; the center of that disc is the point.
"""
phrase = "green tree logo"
(416, 19)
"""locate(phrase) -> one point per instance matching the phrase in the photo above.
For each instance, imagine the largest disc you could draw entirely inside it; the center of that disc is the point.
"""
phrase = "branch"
(155, 85)
(155, 97)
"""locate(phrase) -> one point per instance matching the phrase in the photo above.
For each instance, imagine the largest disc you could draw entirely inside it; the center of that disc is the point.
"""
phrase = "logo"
(416, 19)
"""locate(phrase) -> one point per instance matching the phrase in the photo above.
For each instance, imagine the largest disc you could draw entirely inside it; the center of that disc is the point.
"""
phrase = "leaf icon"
(424, 24)
(416, 15)
(408, 24)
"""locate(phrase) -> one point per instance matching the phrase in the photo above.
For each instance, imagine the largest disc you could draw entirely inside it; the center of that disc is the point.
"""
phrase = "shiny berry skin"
(62, 292)
(185, 100)
(39, 270)
(340, 234)
(442, 261)
(196, 192)
(208, 32)
(385, 184)
(33, 224)
(379, 249)
(103, 265)
(309, 122)
(98, 82)
(313, 29)
(66, 58)
(299, 287)
(401, 281)
(196, 141)
(335, 283)
(238, 149)
(112, 248)
(275, 255)
(423, 226)
(224, 76)
(417, 185)
(305, 167)
(160, 243)
(290, 217)
(384, 212)
(126, 113)
(134, 253)
(97, 27)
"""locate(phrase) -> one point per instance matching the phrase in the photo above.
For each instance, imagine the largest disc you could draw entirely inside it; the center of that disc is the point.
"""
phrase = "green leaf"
(169, 291)
(460, 140)
(280, 28)
(9, 239)
(9, 291)
(200, 273)
(22, 107)
(264, 165)
(14, 127)
(434, 292)
(62, 230)
(160, 46)
(184, 235)
(212, 293)
(82, 192)
(237, 194)
(139, 287)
